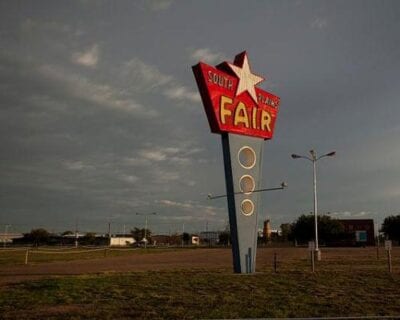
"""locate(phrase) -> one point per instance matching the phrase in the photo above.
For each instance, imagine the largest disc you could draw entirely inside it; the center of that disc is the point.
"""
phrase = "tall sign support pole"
(243, 164)
(245, 116)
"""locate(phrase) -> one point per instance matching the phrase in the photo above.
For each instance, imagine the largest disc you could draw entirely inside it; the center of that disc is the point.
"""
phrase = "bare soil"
(182, 259)
(218, 258)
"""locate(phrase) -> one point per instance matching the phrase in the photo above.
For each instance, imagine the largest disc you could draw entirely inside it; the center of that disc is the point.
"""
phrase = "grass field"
(46, 254)
(347, 283)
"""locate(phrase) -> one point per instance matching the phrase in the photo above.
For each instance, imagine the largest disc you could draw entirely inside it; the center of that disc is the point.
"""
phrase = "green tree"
(224, 237)
(286, 229)
(391, 227)
(38, 236)
(89, 238)
(185, 237)
(303, 229)
(138, 234)
(329, 230)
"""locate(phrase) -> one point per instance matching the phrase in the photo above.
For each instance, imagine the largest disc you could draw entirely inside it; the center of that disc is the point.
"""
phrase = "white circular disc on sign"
(247, 184)
(247, 157)
(247, 207)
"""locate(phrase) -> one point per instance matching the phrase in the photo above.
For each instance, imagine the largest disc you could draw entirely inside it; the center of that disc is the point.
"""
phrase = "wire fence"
(9, 256)
(279, 259)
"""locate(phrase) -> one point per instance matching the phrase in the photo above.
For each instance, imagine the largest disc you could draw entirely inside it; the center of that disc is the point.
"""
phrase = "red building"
(358, 232)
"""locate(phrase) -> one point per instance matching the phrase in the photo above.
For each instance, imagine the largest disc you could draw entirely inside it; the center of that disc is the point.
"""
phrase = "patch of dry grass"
(194, 294)
(347, 282)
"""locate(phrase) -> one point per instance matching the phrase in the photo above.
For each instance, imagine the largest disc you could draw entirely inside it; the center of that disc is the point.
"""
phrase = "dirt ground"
(181, 259)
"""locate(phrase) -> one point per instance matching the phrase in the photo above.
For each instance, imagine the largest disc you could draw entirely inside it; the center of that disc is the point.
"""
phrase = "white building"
(196, 240)
(121, 241)
(9, 237)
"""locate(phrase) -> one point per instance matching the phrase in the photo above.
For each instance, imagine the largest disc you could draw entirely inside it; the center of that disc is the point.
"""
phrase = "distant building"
(9, 237)
(73, 235)
(209, 237)
(276, 233)
(173, 240)
(195, 240)
(161, 240)
(358, 232)
(122, 240)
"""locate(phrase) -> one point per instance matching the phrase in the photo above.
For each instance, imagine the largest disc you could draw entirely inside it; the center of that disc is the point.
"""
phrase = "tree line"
(331, 230)
(301, 230)
(41, 236)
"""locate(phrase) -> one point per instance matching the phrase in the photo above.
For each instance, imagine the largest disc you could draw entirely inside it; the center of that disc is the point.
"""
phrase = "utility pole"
(207, 235)
(377, 242)
(145, 228)
(109, 233)
(315, 204)
(5, 234)
(183, 231)
(76, 233)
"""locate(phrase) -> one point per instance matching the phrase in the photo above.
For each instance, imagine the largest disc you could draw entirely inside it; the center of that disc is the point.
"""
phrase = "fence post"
(388, 247)
(275, 262)
(105, 252)
(389, 254)
(26, 256)
(312, 261)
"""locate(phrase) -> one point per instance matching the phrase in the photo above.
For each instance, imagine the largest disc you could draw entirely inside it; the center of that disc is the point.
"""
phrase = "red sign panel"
(232, 101)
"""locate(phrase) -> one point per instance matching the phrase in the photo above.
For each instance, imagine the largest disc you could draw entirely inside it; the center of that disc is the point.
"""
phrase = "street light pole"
(183, 231)
(5, 234)
(145, 234)
(316, 207)
(145, 228)
(314, 160)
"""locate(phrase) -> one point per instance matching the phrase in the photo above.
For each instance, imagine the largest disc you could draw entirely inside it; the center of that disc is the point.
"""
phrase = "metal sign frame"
(244, 115)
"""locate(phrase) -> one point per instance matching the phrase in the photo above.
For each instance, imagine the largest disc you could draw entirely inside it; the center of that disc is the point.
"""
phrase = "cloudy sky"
(100, 116)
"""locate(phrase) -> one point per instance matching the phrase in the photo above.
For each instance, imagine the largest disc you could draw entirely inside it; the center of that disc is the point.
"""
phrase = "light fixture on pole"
(282, 186)
(145, 228)
(314, 158)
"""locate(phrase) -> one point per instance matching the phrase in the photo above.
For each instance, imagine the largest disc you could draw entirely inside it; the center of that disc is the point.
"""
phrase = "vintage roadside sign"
(311, 246)
(232, 101)
(245, 116)
(388, 245)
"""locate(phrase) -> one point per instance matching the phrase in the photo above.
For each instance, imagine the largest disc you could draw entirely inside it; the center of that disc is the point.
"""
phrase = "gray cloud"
(87, 58)
(319, 23)
(207, 55)
(100, 116)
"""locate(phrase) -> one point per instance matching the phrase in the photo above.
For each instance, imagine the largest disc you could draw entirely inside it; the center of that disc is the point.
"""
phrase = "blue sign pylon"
(243, 171)
(245, 116)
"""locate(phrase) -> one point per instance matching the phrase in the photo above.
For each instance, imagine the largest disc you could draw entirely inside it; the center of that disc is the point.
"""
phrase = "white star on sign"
(247, 80)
